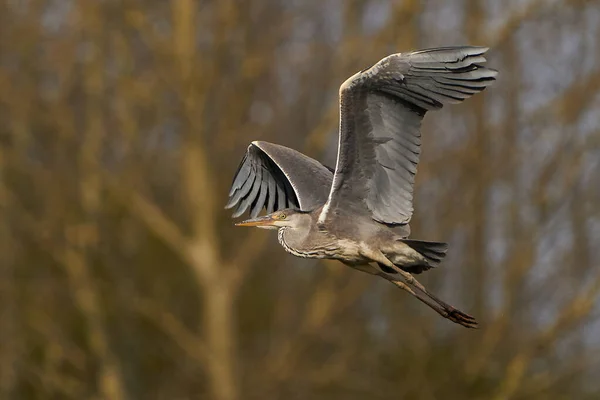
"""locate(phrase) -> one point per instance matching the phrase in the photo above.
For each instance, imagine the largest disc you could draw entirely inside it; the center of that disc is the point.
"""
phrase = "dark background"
(122, 276)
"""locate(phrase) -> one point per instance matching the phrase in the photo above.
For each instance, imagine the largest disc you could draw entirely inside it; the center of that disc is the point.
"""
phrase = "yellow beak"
(260, 221)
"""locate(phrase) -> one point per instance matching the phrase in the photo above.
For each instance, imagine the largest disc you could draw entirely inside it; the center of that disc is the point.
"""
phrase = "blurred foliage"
(122, 277)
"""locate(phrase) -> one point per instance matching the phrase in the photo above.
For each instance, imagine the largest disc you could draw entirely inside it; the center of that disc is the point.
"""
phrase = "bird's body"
(350, 240)
(330, 240)
(359, 212)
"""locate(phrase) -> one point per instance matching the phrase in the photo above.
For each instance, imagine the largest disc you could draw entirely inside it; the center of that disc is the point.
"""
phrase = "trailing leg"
(445, 310)
(419, 291)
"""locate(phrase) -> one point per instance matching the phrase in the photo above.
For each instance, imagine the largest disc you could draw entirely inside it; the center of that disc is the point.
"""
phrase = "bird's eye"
(281, 216)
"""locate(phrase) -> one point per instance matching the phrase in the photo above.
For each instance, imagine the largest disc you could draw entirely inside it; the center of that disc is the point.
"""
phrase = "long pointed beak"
(259, 221)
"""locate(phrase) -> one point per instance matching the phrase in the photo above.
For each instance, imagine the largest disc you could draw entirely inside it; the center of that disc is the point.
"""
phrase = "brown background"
(122, 277)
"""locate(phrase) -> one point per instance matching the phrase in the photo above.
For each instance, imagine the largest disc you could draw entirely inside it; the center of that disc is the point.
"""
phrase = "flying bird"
(359, 213)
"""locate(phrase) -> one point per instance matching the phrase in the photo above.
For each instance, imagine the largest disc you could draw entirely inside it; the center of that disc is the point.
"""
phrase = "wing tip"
(237, 213)
(249, 193)
(229, 205)
(473, 49)
(492, 71)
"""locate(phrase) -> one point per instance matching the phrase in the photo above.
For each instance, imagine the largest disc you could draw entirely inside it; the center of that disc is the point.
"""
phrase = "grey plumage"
(277, 177)
(379, 149)
(359, 212)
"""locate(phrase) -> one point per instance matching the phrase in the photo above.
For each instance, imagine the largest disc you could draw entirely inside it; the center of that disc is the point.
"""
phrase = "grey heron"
(359, 212)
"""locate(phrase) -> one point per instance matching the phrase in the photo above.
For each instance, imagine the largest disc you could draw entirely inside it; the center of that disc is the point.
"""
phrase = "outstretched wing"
(381, 110)
(276, 177)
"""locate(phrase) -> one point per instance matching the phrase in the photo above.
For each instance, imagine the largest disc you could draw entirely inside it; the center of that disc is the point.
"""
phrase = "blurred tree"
(122, 123)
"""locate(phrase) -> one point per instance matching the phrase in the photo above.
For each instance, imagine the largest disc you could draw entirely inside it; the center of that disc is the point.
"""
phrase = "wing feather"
(243, 191)
(275, 177)
(272, 191)
(281, 200)
(261, 199)
(242, 176)
(381, 109)
(247, 201)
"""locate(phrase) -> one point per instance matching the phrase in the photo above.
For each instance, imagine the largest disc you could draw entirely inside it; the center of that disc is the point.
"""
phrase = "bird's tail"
(434, 253)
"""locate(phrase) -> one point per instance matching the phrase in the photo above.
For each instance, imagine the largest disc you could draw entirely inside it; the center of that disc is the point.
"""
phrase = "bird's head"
(278, 219)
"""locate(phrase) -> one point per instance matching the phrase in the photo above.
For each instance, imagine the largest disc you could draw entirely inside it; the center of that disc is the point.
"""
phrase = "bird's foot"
(461, 318)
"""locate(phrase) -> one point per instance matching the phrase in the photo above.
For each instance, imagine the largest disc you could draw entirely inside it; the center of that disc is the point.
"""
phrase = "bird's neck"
(294, 240)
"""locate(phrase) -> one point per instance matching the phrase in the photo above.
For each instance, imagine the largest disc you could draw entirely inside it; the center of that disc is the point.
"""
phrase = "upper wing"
(276, 177)
(381, 110)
